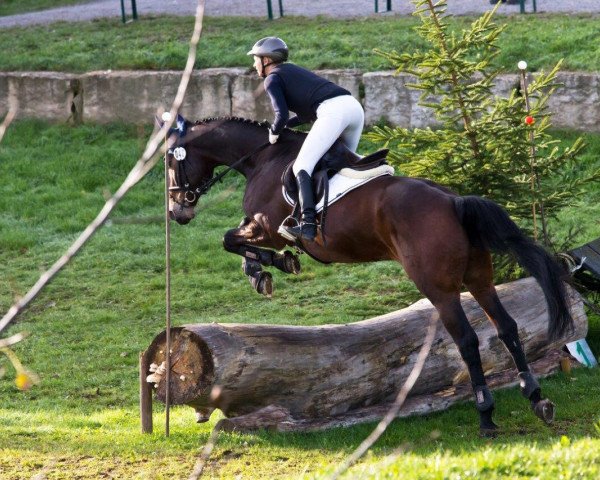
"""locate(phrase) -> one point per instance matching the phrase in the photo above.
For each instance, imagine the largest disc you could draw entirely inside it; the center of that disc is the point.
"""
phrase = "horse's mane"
(233, 119)
(262, 124)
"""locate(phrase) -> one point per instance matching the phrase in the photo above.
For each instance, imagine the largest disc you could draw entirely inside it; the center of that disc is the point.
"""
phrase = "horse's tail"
(489, 226)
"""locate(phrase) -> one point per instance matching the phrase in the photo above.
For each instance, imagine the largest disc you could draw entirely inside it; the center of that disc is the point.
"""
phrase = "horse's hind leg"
(436, 265)
(478, 280)
(456, 323)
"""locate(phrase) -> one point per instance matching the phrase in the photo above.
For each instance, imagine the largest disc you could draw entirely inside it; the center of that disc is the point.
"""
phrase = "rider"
(335, 112)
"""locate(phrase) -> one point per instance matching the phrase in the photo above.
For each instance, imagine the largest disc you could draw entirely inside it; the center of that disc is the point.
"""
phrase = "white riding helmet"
(272, 47)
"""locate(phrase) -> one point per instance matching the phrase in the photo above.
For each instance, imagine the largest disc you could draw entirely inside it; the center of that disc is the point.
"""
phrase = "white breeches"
(339, 117)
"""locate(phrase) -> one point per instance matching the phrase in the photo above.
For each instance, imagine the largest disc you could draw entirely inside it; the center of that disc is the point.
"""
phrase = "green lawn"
(88, 327)
(159, 43)
(13, 7)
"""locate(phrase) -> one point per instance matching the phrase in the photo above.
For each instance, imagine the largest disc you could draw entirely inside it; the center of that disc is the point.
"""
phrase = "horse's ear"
(159, 122)
(181, 125)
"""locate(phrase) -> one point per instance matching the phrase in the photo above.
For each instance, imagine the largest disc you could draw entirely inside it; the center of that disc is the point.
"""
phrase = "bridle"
(181, 182)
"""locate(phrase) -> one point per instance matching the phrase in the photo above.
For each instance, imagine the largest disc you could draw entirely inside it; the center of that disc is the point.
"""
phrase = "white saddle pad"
(347, 180)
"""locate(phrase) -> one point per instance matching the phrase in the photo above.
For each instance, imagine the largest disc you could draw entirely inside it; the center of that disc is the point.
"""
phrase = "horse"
(442, 240)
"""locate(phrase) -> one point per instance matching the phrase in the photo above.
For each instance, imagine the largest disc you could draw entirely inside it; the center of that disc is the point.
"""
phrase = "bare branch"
(7, 342)
(10, 116)
(143, 166)
(205, 455)
(395, 408)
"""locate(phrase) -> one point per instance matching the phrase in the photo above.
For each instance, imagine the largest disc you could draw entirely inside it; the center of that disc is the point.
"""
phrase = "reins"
(208, 184)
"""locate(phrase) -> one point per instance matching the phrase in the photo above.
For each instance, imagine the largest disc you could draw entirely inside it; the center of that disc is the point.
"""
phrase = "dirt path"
(258, 8)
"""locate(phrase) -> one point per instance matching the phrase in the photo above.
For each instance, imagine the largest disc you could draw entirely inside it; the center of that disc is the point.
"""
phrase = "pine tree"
(499, 148)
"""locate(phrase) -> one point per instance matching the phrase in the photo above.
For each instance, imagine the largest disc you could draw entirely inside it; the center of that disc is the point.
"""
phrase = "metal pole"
(134, 9)
(269, 10)
(522, 6)
(535, 180)
(281, 8)
(168, 293)
(145, 396)
(123, 11)
(527, 109)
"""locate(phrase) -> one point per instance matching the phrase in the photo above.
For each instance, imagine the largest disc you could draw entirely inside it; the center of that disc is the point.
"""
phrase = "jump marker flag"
(582, 353)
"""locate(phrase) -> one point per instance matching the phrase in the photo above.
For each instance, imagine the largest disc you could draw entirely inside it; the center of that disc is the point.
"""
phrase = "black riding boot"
(307, 229)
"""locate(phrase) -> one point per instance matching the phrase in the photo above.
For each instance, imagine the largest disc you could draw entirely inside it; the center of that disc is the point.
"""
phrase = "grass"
(158, 43)
(88, 326)
(13, 7)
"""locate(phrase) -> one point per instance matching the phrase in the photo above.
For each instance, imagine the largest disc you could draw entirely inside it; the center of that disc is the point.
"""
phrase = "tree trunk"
(322, 376)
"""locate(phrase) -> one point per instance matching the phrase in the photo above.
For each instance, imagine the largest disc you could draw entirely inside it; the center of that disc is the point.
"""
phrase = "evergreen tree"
(485, 145)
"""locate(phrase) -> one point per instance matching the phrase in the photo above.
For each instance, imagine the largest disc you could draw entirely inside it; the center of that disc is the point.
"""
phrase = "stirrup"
(282, 230)
(298, 232)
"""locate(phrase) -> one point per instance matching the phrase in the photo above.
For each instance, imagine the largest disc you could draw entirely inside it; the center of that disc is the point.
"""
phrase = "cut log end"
(192, 369)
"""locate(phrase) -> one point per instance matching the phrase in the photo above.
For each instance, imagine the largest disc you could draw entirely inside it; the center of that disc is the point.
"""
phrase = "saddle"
(337, 158)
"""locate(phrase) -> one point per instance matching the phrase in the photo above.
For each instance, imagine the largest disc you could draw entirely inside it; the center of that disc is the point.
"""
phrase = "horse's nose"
(171, 215)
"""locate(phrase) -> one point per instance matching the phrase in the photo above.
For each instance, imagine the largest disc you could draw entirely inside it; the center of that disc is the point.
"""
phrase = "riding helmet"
(272, 47)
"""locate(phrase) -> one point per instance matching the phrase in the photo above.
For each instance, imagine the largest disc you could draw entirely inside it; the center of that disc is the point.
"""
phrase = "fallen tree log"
(307, 378)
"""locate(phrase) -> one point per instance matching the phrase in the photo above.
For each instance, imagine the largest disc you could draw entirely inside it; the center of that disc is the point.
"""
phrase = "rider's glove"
(272, 137)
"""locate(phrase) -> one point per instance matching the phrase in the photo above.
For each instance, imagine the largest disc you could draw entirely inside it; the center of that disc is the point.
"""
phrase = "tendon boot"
(307, 228)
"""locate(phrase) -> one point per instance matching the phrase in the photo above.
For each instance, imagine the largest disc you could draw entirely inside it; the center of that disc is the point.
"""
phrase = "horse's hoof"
(291, 263)
(264, 285)
(544, 409)
(287, 262)
(488, 432)
(487, 428)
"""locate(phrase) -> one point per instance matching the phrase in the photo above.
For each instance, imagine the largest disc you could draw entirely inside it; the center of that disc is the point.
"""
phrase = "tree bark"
(332, 375)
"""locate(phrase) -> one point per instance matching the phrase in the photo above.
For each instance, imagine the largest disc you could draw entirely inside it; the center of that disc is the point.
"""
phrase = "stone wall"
(137, 96)
(43, 95)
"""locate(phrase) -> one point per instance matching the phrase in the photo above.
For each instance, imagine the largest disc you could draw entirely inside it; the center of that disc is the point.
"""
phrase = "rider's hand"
(272, 137)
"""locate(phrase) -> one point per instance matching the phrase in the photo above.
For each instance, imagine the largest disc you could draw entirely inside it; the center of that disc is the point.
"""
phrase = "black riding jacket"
(294, 88)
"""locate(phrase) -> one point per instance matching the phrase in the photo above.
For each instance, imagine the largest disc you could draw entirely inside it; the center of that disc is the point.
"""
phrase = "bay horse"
(442, 240)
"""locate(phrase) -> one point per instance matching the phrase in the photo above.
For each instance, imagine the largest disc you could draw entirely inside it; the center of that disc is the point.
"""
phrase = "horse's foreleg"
(479, 282)
(261, 281)
(285, 261)
(238, 241)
